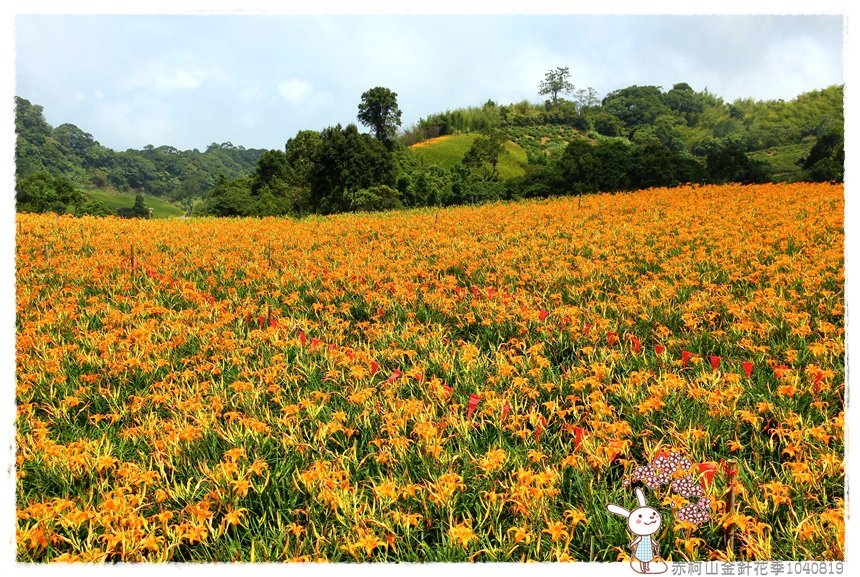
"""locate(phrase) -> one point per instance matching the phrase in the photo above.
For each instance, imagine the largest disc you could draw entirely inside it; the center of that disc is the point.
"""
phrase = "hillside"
(635, 137)
(779, 134)
(448, 151)
(161, 171)
(548, 140)
(783, 161)
(114, 200)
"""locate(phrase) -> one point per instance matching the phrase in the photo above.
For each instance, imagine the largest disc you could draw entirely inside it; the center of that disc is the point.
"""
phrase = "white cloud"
(251, 93)
(144, 119)
(82, 95)
(165, 76)
(811, 66)
(531, 64)
(297, 72)
(295, 89)
(308, 100)
(179, 80)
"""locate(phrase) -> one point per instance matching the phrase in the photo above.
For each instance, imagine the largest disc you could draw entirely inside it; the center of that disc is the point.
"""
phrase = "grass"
(549, 140)
(447, 151)
(544, 140)
(114, 199)
(783, 160)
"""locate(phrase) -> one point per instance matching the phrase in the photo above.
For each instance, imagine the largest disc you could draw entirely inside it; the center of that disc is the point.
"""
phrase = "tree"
(93, 208)
(380, 197)
(667, 130)
(276, 198)
(586, 98)
(578, 168)
(378, 111)
(192, 188)
(556, 82)
(276, 187)
(229, 198)
(41, 192)
(655, 165)
(605, 123)
(540, 181)
(728, 162)
(139, 207)
(431, 187)
(564, 112)
(73, 141)
(271, 167)
(346, 162)
(683, 100)
(32, 131)
(636, 105)
(139, 210)
(614, 160)
(482, 158)
(826, 160)
(301, 152)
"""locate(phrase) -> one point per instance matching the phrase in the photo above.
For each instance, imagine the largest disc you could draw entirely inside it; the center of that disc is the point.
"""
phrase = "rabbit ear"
(640, 496)
(621, 511)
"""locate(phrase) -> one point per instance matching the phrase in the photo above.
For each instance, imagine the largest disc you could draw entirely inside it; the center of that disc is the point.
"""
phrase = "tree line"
(633, 138)
(45, 155)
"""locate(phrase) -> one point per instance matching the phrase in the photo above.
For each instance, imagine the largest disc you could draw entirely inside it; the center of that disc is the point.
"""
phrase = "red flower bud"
(715, 362)
(473, 404)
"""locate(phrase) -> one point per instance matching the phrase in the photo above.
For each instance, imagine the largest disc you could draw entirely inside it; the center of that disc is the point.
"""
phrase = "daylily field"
(466, 384)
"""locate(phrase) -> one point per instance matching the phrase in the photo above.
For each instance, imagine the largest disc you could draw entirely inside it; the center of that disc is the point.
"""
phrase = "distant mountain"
(161, 171)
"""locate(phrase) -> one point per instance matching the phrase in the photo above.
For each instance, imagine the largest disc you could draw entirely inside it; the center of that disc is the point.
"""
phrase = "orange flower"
(461, 534)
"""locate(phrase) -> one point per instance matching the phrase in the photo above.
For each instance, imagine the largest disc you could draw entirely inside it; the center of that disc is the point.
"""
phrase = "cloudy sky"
(188, 81)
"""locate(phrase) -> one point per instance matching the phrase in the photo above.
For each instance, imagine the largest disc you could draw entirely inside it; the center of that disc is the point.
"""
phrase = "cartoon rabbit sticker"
(643, 522)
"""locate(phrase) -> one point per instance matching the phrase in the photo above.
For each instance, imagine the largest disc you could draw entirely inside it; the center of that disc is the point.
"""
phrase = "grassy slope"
(783, 160)
(549, 139)
(114, 199)
(447, 151)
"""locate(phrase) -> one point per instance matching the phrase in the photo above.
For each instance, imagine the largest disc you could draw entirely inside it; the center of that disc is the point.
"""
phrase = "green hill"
(163, 171)
(550, 140)
(635, 137)
(685, 121)
(547, 140)
(447, 151)
(114, 200)
(783, 160)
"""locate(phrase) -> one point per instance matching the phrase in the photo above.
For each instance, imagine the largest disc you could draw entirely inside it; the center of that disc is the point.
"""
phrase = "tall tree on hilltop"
(556, 82)
(378, 111)
(586, 98)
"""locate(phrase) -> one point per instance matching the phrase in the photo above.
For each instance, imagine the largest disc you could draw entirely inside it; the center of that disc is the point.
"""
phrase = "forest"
(573, 143)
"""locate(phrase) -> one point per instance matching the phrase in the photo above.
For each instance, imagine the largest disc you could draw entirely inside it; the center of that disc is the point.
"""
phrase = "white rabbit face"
(644, 521)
